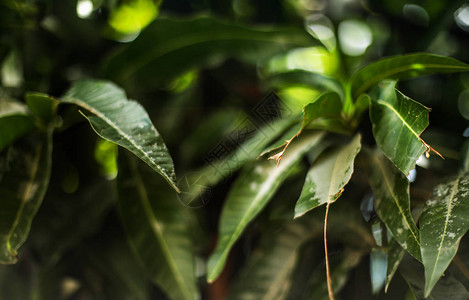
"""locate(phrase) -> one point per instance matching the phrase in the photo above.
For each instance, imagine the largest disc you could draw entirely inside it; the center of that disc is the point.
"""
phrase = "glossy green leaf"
(392, 203)
(42, 105)
(267, 273)
(328, 105)
(169, 47)
(443, 223)
(252, 190)
(155, 224)
(15, 121)
(124, 122)
(397, 123)
(327, 177)
(395, 254)
(26, 167)
(403, 67)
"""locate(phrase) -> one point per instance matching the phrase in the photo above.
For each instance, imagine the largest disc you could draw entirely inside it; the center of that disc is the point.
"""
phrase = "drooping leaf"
(327, 177)
(15, 121)
(395, 254)
(124, 122)
(403, 67)
(267, 274)
(25, 169)
(397, 123)
(154, 221)
(252, 190)
(392, 203)
(169, 47)
(443, 223)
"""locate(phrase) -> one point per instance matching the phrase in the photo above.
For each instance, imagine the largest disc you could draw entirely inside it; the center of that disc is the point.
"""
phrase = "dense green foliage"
(246, 120)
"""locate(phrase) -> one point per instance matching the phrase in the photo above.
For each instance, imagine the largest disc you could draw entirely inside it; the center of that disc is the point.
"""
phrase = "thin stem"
(328, 272)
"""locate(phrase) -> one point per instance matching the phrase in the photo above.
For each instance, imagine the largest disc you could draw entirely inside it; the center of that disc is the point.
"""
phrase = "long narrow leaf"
(392, 203)
(403, 67)
(250, 193)
(443, 223)
(327, 177)
(26, 170)
(157, 230)
(398, 122)
(124, 122)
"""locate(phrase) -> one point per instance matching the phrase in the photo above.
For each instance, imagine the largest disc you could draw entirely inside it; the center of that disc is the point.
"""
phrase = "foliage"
(246, 120)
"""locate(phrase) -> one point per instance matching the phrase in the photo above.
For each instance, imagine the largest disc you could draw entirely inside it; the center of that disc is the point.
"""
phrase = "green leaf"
(392, 203)
(157, 230)
(15, 121)
(328, 105)
(327, 177)
(169, 47)
(252, 190)
(443, 223)
(267, 273)
(395, 254)
(124, 122)
(26, 169)
(42, 105)
(397, 123)
(403, 67)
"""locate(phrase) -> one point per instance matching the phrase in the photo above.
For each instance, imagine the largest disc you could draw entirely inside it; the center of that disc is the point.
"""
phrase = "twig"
(328, 272)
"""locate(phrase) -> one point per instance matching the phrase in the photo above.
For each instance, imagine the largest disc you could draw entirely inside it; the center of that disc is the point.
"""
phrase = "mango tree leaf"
(15, 121)
(26, 169)
(169, 47)
(397, 123)
(403, 67)
(328, 105)
(327, 177)
(252, 190)
(443, 223)
(43, 106)
(395, 254)
(156, 228)
(392, 203)
(266, 275)
(124, 122)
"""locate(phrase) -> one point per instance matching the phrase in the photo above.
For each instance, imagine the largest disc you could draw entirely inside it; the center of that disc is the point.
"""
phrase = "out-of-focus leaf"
(154, 221)
(26, 169)
(398, 122)
(403, 67)
(15, 121)
(448, 287)
(266, 275)
(169, 47)
(443, 223)
(217, 170)
(378, 269)
(327, 177)
(132, 16)
(395, 254)
(305, 78)
(250, 193)
(124, 122)
(392, 203)
(42, 105)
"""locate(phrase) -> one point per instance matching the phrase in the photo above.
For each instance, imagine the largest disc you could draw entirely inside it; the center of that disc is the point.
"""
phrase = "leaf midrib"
(389, 106)
(448, 214)
(156, 229)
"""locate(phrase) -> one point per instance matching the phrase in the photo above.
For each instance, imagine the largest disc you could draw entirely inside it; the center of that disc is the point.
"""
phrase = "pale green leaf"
(392, 203)
(378, 269)
(443, 223)
(124, 122)
(154, 220)
(397, 123)
(327, 177)
(25, 169)
(327, 106)
(252, 190)
(403, 67)
(169, 47)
